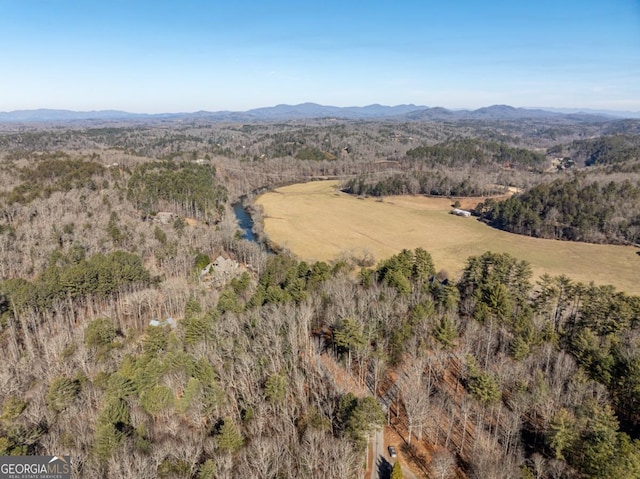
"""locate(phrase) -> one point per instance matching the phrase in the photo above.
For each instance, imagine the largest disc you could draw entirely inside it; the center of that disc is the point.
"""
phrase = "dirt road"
(382, 462)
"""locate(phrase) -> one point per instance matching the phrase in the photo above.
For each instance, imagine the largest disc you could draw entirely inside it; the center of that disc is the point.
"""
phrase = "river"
(244, 221)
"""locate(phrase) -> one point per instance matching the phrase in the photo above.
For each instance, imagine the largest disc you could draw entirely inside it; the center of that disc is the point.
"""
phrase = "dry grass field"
(315, 221)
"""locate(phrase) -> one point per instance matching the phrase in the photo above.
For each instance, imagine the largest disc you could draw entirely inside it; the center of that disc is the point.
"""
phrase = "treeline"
(188, 189)
(475, 152)
(574, 209)
(434, 183)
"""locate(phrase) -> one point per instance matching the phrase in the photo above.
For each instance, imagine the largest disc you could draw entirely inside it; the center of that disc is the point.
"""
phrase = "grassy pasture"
(316, 221)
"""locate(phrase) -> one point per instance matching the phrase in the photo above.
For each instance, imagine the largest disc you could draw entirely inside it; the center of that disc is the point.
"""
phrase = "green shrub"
(99, 335)
(62, 392)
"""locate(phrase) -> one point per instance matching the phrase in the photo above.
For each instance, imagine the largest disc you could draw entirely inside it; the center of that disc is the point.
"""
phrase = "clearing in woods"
(316, 221)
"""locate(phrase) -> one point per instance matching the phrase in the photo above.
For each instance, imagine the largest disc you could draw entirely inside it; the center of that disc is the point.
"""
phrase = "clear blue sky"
(170, 56)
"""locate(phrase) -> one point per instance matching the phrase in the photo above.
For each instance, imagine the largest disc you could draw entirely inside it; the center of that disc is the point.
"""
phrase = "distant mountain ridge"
(589, 111)
(305, 111)
(278, 112)
(44, 115)
(313, 110)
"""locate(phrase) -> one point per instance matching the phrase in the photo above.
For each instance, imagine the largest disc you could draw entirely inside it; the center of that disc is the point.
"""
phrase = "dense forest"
(128, 346)
(604, 150)
(574, 209)
(476, 152)
(187, 188)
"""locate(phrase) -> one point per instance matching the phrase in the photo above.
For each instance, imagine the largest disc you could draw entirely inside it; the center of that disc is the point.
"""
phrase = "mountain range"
(307, 111)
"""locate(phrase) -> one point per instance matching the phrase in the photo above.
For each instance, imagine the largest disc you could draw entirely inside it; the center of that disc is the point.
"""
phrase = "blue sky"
(170, 56)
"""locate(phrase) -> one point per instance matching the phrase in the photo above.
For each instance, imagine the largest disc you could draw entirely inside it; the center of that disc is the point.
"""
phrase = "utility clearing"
(316, 221)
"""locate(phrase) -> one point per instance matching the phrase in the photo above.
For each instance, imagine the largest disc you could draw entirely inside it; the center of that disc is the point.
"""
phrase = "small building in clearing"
(459, 212)
(167, 322)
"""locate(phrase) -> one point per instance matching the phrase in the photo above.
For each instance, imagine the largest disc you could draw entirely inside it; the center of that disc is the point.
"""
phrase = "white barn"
(459, 212)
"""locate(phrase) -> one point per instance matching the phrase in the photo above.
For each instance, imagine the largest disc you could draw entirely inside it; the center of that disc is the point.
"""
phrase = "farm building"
(459, 212)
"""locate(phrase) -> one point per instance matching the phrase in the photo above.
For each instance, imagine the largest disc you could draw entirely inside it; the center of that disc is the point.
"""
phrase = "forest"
(575, 209)
(128, 349)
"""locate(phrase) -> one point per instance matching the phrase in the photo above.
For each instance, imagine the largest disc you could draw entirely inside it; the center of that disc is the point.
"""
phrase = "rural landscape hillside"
(264, 294)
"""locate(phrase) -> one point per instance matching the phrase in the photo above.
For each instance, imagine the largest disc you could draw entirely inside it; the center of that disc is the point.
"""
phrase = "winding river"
(244, 221)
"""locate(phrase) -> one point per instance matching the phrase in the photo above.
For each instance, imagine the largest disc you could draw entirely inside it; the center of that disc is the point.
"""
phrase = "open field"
(317, 222)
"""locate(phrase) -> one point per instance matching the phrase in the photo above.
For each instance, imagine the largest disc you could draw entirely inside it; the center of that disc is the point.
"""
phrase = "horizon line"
(418, 107)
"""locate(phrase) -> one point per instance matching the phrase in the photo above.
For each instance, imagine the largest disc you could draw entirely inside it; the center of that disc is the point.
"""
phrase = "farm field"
(316, 221)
